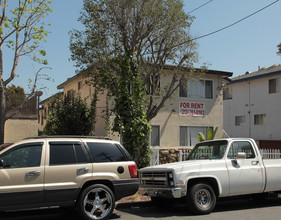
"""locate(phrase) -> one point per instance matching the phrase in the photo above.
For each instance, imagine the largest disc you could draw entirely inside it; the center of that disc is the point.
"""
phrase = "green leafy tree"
(153, 33)
(279, 49)
(21, 30)
(210, 135)
(70, 115)
(119, 38)
(130, 120)
(15, 97)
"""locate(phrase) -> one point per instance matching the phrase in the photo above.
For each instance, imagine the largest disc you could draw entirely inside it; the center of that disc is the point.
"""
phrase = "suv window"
(106, 152)
(23, 156)
(66, 153)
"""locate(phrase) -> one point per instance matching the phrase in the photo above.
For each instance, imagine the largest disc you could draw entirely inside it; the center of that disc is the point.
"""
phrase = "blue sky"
(238, 49)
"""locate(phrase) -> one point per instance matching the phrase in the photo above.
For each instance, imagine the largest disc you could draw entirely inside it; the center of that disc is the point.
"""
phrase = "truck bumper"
(176, 192)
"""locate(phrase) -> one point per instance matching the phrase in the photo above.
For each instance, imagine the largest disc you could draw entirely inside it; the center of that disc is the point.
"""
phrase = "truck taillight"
(133, 171)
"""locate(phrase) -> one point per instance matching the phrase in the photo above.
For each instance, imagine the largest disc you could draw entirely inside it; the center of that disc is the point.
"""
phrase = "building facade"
(252, 106)
(23, 123)
(197, 105)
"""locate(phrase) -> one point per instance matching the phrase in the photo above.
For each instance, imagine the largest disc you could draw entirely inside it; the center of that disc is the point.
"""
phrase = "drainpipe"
(249, 110)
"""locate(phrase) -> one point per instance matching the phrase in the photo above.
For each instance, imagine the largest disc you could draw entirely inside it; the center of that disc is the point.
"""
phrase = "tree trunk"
(2, 113)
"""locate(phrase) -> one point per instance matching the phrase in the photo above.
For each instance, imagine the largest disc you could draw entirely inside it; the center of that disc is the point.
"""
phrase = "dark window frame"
(23, 146)
(73, 144)
(121, 149)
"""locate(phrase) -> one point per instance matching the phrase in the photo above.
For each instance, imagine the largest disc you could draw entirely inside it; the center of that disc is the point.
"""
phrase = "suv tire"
(96, 202)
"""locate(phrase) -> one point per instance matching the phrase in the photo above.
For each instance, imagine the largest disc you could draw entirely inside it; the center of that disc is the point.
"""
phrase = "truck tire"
(96, 202)
(201, 199)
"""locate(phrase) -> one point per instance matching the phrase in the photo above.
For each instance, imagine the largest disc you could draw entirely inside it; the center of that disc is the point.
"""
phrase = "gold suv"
(86, 172)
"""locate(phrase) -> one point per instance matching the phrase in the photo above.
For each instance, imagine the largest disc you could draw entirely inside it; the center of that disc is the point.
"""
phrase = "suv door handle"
(33, 173)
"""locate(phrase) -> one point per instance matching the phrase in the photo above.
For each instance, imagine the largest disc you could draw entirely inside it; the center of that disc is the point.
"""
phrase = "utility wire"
(199, 7)
(221, 29)
(228, 26)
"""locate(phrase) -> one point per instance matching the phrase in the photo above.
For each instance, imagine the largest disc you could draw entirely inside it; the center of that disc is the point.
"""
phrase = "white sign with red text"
(191, 109)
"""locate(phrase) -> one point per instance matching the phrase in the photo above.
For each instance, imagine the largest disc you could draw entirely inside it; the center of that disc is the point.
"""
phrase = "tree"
(155, 30)
(15, 97)
(70, 115)
(279, 49)
(114, 47)
(130, 120)
(210, 135)
(21, 30)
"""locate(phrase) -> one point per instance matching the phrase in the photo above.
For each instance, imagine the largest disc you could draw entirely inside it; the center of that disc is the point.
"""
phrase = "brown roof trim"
(166, 66)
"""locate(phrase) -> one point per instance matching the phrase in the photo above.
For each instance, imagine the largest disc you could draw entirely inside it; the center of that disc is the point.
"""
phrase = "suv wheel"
(96, 202)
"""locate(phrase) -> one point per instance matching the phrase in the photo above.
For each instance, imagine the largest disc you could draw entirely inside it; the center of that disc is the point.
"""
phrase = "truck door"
(245, 175)
(22, 175)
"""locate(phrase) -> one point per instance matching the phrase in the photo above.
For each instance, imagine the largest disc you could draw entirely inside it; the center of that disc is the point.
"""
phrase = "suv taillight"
(133, 171)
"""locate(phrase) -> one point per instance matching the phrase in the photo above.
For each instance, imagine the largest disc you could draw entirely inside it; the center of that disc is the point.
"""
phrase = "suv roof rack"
(68, 136)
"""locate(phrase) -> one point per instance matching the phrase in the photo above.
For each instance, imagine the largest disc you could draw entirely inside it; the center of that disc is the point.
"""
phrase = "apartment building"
(197, 105)
(252, 106)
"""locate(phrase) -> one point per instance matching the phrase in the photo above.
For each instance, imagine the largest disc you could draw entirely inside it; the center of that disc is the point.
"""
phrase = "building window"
(79, 85)
(240, 120)
(260, 119)
(155, 136)
(227, 93)
(201, 89)
(189, 135)
(273, 85)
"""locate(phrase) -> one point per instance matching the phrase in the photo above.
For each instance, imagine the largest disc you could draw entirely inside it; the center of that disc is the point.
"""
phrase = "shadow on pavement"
(147, 210)
(142, 209)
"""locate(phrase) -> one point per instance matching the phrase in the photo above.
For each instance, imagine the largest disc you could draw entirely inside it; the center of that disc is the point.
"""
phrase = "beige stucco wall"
(170, 120)
(17, 129)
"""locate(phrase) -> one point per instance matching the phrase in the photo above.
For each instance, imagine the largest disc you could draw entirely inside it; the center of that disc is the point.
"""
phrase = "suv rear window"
(66, 153)
(106, 152)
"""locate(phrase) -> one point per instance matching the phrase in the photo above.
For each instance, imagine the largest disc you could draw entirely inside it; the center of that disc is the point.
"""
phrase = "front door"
(22, 175)
(245, 175)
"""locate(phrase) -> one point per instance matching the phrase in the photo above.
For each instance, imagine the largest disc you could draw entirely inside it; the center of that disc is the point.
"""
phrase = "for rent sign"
(191, 109)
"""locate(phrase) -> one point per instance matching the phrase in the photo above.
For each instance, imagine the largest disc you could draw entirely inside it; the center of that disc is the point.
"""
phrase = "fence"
(271, 153)
(161, 156)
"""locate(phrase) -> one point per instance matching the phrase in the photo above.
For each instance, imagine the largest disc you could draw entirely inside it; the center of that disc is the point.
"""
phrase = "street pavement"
(225, 210)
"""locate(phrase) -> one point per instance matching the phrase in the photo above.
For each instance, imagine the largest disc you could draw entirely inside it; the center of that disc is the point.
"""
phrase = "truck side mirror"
(241, 155)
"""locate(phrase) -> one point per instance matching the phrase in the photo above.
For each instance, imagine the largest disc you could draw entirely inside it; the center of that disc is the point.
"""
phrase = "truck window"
(105, 152)
(66, 153)
(241, 146)
(208, 150)
(23, 156)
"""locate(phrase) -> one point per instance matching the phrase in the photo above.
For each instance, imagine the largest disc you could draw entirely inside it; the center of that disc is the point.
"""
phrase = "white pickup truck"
(213, 169)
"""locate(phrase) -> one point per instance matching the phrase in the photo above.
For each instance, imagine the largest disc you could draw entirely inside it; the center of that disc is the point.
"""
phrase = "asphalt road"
(226, 210)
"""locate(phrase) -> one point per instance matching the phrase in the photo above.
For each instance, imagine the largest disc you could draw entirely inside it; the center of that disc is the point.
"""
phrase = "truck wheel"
(96, 202)
(201, 199)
